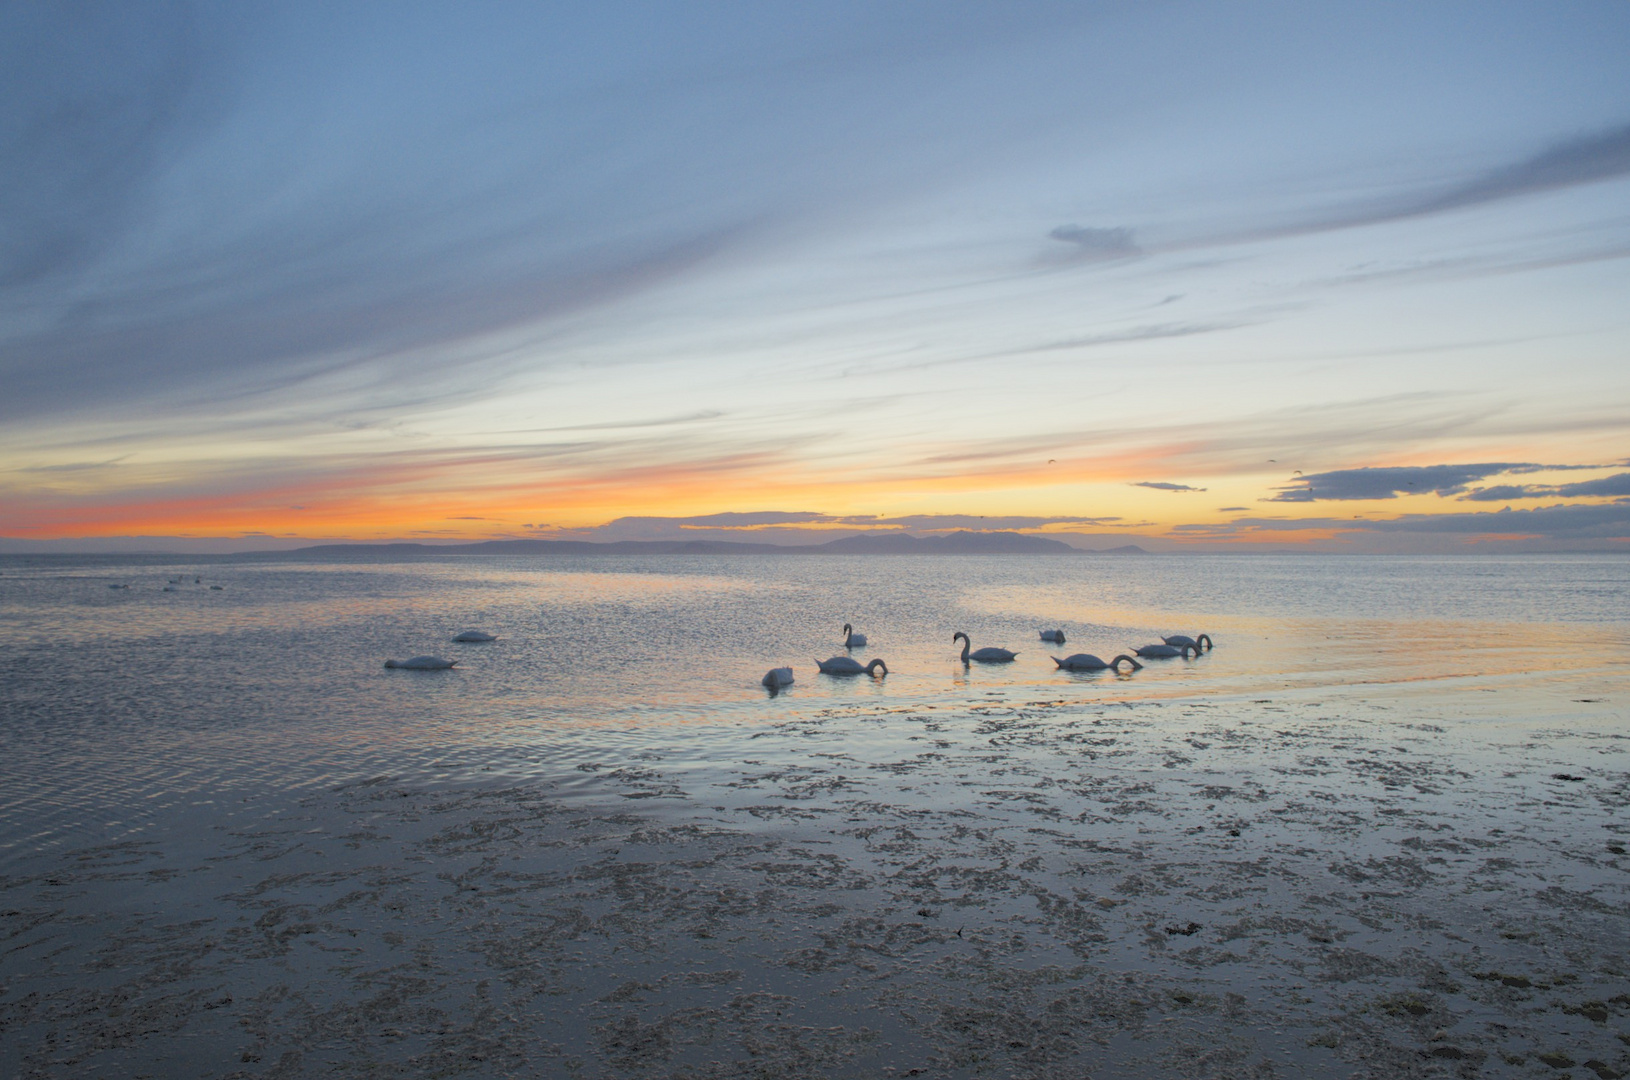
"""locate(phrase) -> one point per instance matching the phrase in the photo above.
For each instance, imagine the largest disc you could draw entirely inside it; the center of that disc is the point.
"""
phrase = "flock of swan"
(776, 679)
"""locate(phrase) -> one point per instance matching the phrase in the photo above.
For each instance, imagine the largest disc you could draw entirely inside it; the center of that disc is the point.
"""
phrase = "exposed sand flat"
(1349, 884)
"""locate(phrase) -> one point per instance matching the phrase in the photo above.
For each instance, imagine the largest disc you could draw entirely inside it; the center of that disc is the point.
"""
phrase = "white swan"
(1163, 652)
(473, 635)
(421, 663)
(1087, 662)
(1202, 642)
(843, 665)
(987, 655)
(776, 678)
(852, 640)
(1055, 636)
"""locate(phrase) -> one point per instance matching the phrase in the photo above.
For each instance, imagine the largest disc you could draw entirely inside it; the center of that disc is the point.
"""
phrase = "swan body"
(777, 677)
(215, 588)
(422, 663)
(1164, 652)
(1202, 642)
(843, 665)
(474, 635)
(1087, 662)
(1055, 636)
(851, 639)
(988, 655)
(118, 586)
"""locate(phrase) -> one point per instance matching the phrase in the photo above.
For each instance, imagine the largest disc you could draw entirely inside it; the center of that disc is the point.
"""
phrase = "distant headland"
(957, 543)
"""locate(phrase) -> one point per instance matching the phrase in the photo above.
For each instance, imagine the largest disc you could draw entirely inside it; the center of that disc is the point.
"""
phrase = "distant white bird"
(421, 663)
(473, 635)
(987, 655)
(1087, 662)
(852, 640)
(843, 665)
(1202, 642)
(1165, 652)
(776, 678)
(1055, 636)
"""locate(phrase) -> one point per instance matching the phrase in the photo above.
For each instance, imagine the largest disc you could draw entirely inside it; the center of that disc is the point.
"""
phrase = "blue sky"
(457, 271)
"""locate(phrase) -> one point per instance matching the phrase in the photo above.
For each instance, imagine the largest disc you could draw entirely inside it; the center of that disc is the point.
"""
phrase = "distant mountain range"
(957, 543)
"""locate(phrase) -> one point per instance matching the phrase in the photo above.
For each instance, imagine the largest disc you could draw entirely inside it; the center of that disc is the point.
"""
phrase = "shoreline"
(1349, 887)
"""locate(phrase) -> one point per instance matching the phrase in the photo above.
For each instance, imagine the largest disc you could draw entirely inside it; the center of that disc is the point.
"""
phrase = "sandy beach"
(1354, 883)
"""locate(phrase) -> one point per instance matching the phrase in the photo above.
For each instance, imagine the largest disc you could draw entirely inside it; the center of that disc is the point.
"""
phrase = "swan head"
(875, 666)
(959, 634)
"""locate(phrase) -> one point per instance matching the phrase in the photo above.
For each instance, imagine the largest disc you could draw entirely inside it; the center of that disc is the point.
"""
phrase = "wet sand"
(1359, 883)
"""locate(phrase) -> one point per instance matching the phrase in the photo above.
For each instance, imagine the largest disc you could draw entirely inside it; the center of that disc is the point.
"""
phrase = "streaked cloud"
(1161, 485)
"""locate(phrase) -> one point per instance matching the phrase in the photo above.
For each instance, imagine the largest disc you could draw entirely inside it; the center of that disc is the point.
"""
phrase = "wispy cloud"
(1161, 485)
(1097, 243)
(1603, 155)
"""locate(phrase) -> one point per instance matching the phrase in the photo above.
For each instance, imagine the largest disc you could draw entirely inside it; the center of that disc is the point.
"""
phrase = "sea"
(141, 691)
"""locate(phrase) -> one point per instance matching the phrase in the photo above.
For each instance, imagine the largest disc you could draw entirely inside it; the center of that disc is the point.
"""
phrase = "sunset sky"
(1352, 277)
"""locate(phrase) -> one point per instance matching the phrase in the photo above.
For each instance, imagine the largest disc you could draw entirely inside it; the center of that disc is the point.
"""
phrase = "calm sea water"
(121, 706)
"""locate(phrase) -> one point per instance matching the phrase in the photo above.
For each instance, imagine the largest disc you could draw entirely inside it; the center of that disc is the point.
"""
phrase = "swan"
(1087, 662)
(777, 677)
(1202, 642)
(851, 639)
(474, 635)
(984, 656)
(1163, 652)
(843, 665)
(421, 663)
(1055, 636)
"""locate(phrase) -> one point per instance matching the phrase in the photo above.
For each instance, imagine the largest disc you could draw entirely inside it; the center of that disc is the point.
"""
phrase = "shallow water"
(124, 705)
(1378, 832)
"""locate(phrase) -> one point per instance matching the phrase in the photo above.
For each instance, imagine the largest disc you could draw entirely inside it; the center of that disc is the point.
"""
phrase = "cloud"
(1389, 483)
(90, 116)
(1605, 487)
(1231, 509)
(1502, 493)
(1587, 159)
(1097, 243)
(1161, 485)
(1595, 521)
(808, 527)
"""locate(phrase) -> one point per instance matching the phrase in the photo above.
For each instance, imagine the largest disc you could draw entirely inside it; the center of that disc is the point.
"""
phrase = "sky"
(1341, 277)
